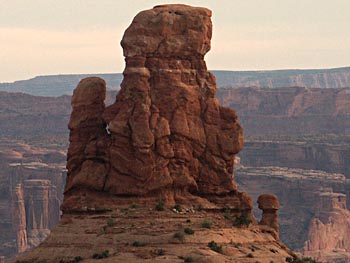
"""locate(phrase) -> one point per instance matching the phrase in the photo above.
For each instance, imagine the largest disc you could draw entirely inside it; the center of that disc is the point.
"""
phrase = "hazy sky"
(41, 37)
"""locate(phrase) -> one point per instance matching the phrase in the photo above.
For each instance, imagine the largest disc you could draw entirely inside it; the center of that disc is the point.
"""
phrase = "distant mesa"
(58, 85)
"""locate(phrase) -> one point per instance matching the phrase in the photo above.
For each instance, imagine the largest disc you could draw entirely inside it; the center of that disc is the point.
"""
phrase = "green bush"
(243, 220)
(206, 223)
(178, 208)
(215, 247)
(139, 244)
(188, 259)
(179, 236)
(227, 214)
(75, 260)
(160, 206)
(160, 252)
(110, 221)
(189, 231)
(295, 259)
(104, 254)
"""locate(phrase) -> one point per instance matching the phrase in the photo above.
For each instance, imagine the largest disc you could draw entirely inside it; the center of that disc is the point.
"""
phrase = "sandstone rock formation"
(150, 177)
(167, 135)
(269, 79)
(328, 235)
(269, 205)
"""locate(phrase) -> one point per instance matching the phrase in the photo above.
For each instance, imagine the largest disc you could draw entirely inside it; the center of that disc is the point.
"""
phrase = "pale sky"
(44, 37)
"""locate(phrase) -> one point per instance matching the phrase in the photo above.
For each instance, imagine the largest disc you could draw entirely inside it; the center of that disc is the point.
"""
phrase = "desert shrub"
(189, 231)
(125, 210)
(179, 236)
(110, 221)
(188, 259)
(242, 220)
(188, 221)
(160, 252)
(227, 214)
(236, 245)
(215, 247)
(206, 223)
(160, 206)
(75, 260)
(104, 254)
(295, 259)
(250, 255)
(139, 244)
(133, 205)
(178, 208)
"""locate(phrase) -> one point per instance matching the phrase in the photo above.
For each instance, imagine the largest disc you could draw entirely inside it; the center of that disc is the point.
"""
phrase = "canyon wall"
(58, 85)
(314, 218)
(312, 78)
(329, 157)
(32, 182)
(290, 111)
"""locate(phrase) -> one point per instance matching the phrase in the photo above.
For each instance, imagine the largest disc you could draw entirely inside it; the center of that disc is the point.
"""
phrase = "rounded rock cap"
(169, 31)
(268, 201)
(89, 91)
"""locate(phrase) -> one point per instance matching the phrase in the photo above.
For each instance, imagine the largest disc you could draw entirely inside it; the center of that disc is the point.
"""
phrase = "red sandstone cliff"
(169, 137)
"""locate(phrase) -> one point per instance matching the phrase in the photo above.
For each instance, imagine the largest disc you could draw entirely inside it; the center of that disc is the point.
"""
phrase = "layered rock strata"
(329, 156)
(290, 110)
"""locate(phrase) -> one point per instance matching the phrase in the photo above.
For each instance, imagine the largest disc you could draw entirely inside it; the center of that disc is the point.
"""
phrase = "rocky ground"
(139, 233)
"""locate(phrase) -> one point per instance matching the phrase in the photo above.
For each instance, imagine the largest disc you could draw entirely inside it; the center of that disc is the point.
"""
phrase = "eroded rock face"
(269, 205)
(166, 135)
(328, 236)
